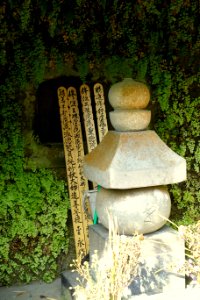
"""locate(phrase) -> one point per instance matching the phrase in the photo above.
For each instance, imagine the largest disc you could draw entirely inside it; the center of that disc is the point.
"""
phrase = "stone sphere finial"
(129, 98)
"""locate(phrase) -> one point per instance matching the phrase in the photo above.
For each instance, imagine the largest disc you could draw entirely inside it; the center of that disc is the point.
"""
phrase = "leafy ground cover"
(153, 41)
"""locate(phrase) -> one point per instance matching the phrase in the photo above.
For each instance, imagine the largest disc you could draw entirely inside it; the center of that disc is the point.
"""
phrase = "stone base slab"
(69, 280)
(160, 250)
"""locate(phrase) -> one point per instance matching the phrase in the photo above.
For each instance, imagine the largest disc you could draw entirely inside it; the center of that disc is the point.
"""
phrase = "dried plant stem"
(107, 276)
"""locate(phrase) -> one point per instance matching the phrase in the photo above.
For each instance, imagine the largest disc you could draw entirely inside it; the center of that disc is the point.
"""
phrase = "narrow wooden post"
(73, 148)
(88, 117)
(100, 110)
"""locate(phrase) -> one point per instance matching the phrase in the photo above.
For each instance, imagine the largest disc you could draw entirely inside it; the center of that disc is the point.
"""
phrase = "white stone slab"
(160, 250)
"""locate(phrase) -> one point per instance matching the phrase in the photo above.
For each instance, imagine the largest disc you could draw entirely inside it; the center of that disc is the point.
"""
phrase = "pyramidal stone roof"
(125, 160)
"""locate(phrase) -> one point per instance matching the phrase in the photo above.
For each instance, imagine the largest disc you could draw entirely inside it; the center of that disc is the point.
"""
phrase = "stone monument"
(133, 166)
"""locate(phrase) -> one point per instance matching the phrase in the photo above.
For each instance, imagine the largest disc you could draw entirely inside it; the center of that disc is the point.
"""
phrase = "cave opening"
(47, 125)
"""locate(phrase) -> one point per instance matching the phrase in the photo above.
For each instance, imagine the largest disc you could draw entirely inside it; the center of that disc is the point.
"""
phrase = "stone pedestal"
(160, 250)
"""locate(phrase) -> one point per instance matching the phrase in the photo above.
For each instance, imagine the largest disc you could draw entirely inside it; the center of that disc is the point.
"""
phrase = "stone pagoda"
(133, 166)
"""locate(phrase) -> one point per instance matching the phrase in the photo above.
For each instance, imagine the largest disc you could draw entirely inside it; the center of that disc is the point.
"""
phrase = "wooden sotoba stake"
(73, 173)
(88, 117)
(74, 151)
(100, 111)
(78, 139)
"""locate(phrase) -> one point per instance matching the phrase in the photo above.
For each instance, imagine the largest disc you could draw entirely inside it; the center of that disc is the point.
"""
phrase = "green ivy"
(34, 205)
(33, 215)
(153, 41)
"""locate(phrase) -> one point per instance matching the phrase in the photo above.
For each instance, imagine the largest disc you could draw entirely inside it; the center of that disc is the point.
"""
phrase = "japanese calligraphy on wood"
(72, 140)
(88, 117)
(100, 110)
(74, 151)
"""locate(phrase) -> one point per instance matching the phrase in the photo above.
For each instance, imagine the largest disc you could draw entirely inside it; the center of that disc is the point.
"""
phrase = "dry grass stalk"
(191, 234)
(107, 277)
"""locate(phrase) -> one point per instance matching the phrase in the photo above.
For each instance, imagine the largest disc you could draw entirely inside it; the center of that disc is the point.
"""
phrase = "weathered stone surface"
(159, 251)
(130, 120)
(126, 160)
(129, 94)
(69, 280)
(140, 210)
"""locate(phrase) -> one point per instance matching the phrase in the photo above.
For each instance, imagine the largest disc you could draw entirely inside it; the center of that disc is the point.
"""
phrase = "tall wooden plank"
(100, 110)
(72, 173)
(72, 107)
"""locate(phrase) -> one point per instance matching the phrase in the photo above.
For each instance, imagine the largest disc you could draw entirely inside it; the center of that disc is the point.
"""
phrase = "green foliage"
(33, 215)
(182, 118)
(153, 41)
(34, 206)
(116, 68)
(83, 67)
(25, 14)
